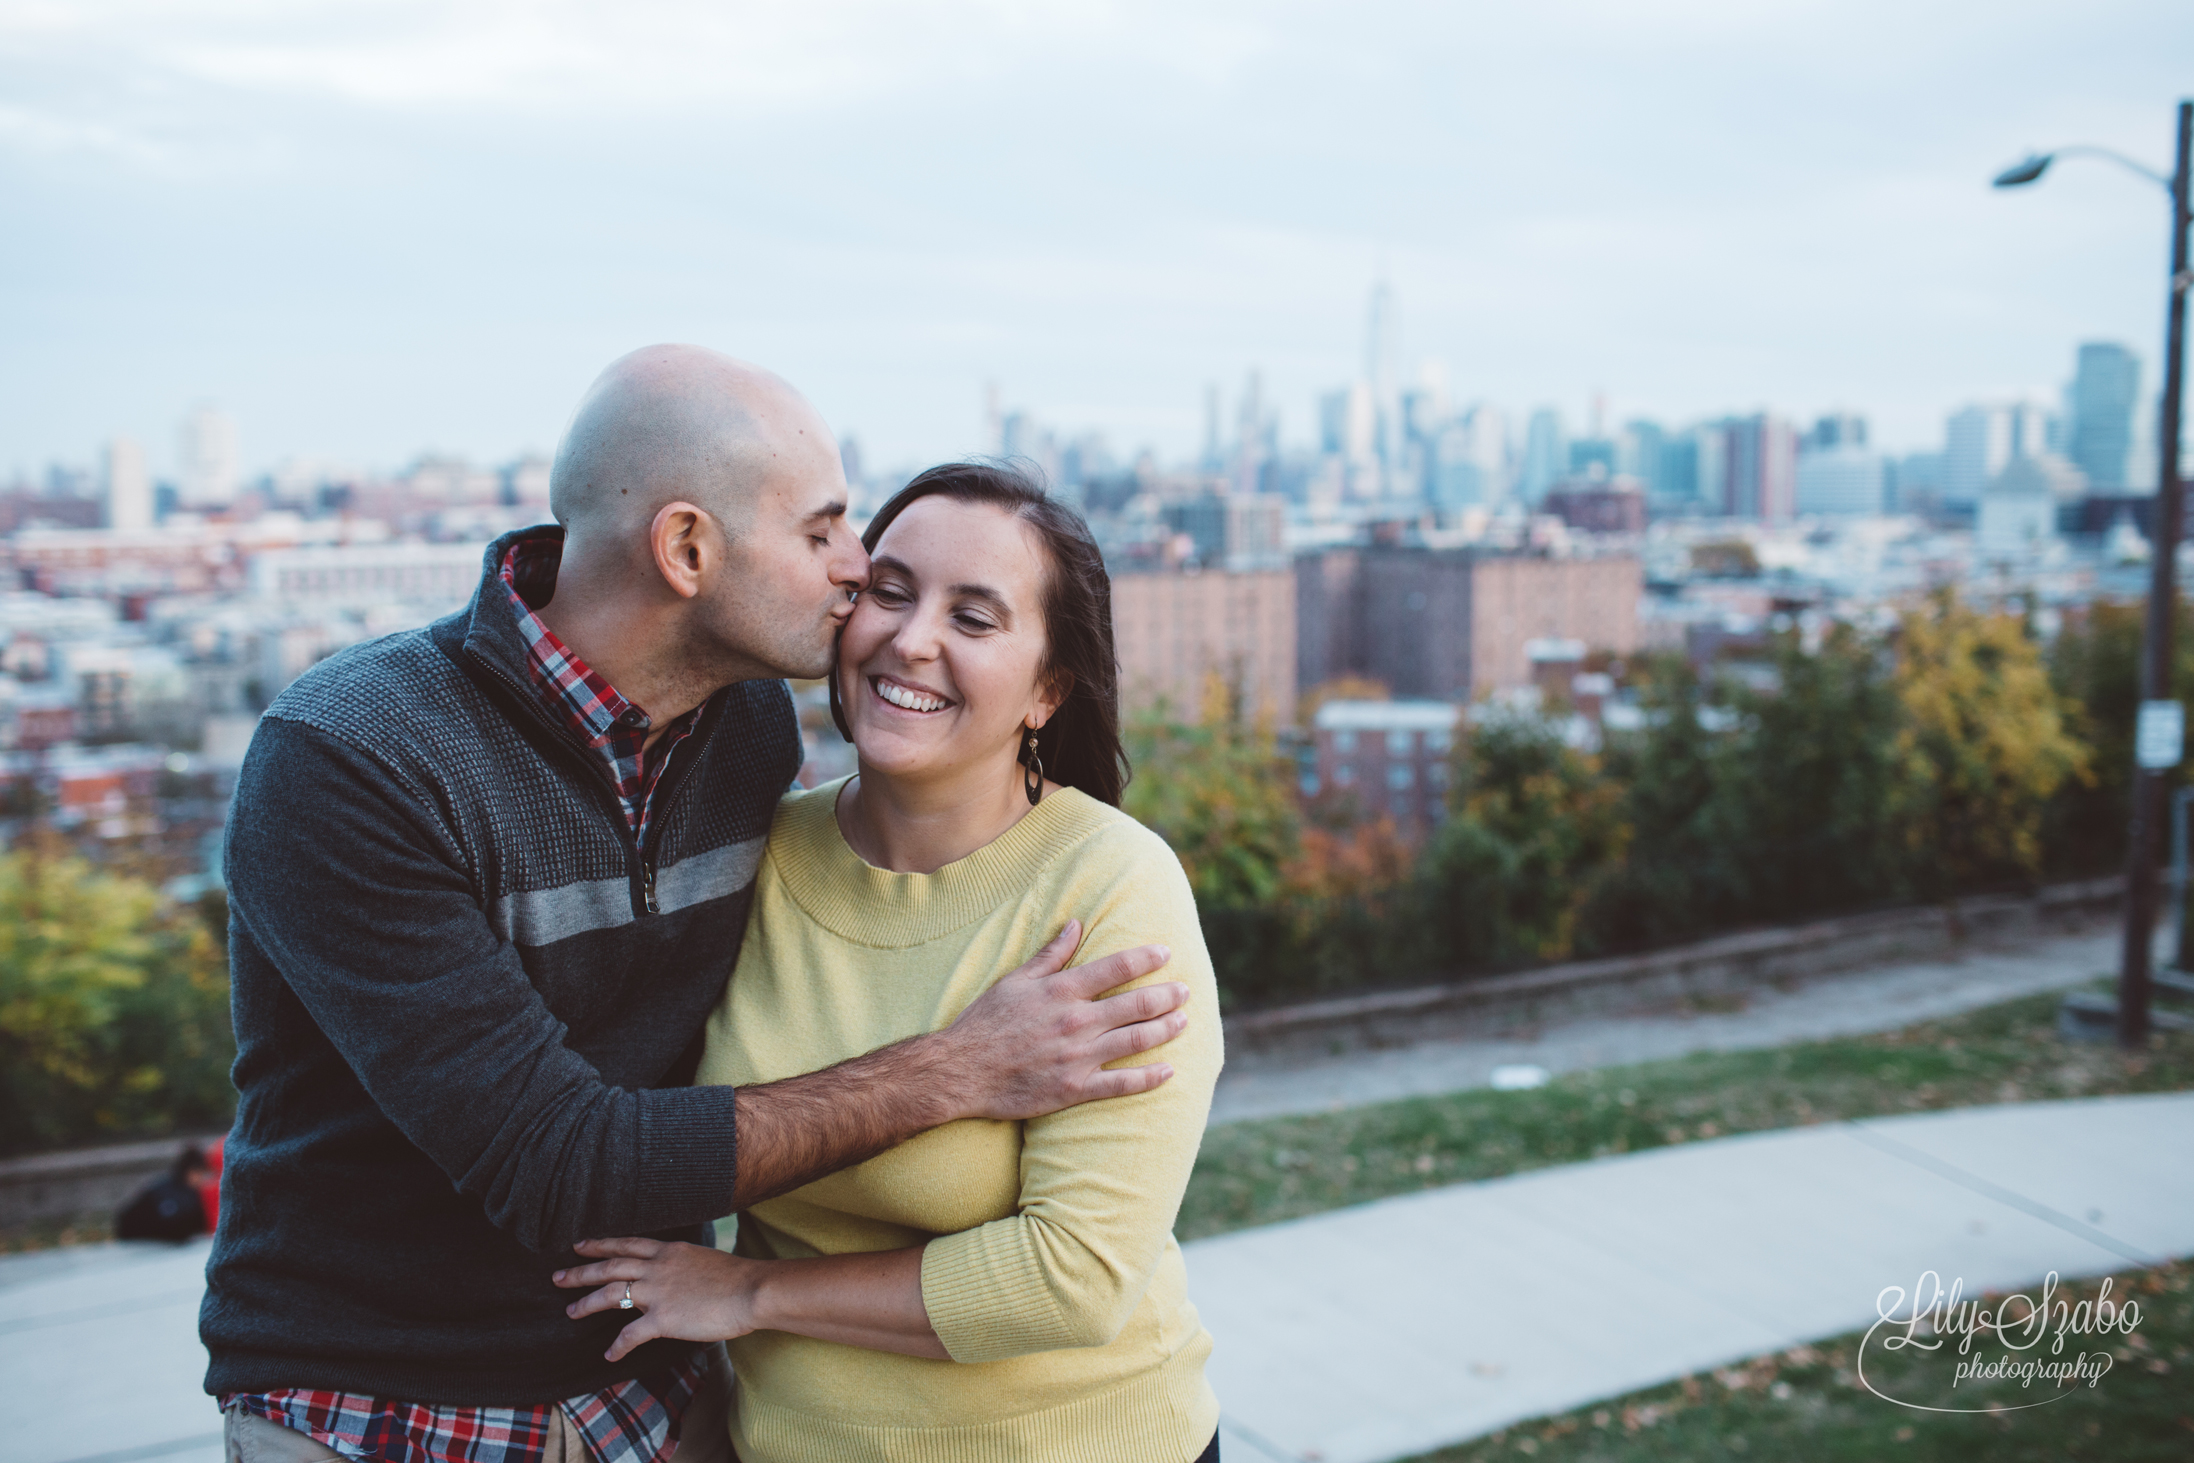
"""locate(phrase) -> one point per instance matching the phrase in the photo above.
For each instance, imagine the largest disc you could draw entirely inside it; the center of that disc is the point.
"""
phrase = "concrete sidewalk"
(1398, 1327)
(1392, 1328)
(99, 1349)
(1260, 1084)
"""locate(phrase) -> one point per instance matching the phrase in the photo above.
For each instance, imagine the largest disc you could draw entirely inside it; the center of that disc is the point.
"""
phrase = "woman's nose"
(918, 638)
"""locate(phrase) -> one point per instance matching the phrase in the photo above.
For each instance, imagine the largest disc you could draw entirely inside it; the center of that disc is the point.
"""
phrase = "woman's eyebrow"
(891, 563)
(986, 593)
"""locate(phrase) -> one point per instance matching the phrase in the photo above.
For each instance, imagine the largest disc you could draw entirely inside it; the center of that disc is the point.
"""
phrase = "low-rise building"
(1372, 759)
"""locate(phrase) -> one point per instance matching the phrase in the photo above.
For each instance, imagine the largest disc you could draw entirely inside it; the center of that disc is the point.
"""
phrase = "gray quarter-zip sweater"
(467, 1004)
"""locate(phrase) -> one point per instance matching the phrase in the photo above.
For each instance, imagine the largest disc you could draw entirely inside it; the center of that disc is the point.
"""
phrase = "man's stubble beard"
(748, 639)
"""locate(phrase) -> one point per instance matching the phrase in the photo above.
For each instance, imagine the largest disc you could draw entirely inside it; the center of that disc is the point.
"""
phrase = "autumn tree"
(1219, 792)
(113, 1007)
(1983, 746)
(1535, 832)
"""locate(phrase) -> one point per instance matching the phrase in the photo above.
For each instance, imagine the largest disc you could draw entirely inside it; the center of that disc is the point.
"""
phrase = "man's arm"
(1035, 1042)
(348, 883)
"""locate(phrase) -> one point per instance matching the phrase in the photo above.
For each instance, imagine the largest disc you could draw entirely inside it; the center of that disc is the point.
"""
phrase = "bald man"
(487, 879)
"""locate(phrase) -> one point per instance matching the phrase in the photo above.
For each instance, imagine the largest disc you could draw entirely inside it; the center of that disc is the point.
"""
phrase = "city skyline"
(372, 233)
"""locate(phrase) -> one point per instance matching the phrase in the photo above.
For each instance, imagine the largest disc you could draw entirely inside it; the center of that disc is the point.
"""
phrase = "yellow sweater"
(1051, 1273)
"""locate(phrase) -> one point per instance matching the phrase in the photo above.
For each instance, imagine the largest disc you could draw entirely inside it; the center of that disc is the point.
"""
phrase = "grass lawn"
(45, 1234)
(1277, 1168)
(1807, 1403)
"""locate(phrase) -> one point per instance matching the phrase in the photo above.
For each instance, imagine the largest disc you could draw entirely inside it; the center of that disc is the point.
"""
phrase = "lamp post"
(2149, 769)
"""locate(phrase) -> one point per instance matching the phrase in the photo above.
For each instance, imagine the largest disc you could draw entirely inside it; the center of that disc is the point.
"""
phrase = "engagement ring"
(626, 1303)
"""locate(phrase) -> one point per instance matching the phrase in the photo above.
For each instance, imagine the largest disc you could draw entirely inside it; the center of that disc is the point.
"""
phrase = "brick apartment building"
(1448, 624)
(1172, 627)
(1383, 759)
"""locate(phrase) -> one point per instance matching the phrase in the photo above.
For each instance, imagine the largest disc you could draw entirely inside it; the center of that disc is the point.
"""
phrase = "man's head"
(706, 495)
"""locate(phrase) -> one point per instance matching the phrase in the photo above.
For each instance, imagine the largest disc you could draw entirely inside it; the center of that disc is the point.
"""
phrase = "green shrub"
(114, 1014)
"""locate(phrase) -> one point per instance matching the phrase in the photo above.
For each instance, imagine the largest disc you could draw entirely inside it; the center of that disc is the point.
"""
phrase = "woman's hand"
(691, 1292)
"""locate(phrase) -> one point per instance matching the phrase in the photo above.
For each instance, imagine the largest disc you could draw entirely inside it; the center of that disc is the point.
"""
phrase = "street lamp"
(2152, 760)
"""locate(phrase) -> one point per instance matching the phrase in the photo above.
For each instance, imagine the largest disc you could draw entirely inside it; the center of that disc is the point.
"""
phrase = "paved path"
(1391, 1328)
(1257, 1085)
(1397, 1327)
(99, 1350)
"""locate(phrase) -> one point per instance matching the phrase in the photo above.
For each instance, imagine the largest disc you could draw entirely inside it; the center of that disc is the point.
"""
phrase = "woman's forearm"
(872, 1300)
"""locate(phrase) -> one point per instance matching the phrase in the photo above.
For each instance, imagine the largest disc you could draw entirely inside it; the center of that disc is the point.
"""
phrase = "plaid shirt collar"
(628, 1423)
(576, 695)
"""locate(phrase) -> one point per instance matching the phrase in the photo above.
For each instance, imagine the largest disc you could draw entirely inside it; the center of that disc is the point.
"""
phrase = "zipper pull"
(647, 886)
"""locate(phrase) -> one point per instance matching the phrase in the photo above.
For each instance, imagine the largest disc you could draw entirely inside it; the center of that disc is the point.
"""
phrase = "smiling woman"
(989, 1290)
(995, 652)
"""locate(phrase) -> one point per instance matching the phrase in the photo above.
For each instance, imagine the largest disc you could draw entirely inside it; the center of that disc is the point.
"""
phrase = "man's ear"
(684, 543)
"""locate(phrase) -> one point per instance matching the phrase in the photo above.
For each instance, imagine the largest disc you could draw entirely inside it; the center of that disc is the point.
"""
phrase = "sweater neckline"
(876, 907)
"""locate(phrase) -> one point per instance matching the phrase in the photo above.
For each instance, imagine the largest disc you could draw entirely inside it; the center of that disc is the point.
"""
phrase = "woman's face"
(938, 667)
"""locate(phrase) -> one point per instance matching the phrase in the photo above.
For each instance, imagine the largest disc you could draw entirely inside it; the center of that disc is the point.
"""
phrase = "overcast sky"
(368, 229)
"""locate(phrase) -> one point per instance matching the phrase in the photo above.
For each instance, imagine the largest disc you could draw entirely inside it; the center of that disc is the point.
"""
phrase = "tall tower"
(207, 452)
(2103, 395)
(128, 486)
(1250, 436)
(1382, 368)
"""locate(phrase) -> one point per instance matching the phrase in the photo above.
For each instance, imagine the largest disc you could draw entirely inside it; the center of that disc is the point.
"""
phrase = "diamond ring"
(626, 1303)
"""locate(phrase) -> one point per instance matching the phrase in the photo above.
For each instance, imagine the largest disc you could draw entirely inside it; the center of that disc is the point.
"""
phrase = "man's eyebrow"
(833, 509)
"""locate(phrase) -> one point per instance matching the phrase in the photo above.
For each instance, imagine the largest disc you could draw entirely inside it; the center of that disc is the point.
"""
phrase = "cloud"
(366, 225)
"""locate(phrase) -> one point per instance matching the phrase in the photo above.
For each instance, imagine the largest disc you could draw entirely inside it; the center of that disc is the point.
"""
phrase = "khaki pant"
(704, 1435)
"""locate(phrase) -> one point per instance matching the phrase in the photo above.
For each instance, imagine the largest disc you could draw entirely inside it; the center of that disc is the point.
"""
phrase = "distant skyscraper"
(1348, 429)
(1981, 440)
(1677, 487)
(1255, 438)
(1841, 482)
(1762, 468)
(1214, 449)
(1837, 429)
(2104, 391)
(1382, 368)
(1592, 457)
(1640, 451)
(1546, 454)
(1470, 461)
(1023, 438)
(206, 449)
(128, 487)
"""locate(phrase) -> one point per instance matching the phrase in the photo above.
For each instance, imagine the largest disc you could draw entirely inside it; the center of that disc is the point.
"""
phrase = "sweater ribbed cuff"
(689, 1157)
(986, 1295)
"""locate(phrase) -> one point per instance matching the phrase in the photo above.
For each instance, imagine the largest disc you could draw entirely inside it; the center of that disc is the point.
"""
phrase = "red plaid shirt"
(630, 1422)
(616, 729)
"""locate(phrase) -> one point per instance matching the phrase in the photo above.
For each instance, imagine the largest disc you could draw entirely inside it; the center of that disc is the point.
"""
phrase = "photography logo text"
(2039, 1342)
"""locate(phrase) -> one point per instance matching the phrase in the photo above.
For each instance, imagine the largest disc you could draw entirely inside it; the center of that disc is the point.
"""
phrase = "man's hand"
(1038, 1040)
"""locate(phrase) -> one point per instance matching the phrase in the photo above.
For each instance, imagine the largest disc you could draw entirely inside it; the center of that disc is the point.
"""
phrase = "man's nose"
(850, 572)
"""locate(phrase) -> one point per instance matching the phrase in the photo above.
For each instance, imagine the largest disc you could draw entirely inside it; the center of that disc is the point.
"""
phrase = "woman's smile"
(907, 697)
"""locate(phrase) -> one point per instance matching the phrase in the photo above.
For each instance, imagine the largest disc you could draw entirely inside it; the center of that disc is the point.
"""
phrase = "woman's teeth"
(911, 700)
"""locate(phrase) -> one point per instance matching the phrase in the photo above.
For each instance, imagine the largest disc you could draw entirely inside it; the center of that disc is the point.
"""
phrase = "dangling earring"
(1032, 775)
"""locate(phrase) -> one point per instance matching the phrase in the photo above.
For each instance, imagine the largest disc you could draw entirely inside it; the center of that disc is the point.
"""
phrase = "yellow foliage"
(1984, 746)
(72, 939)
